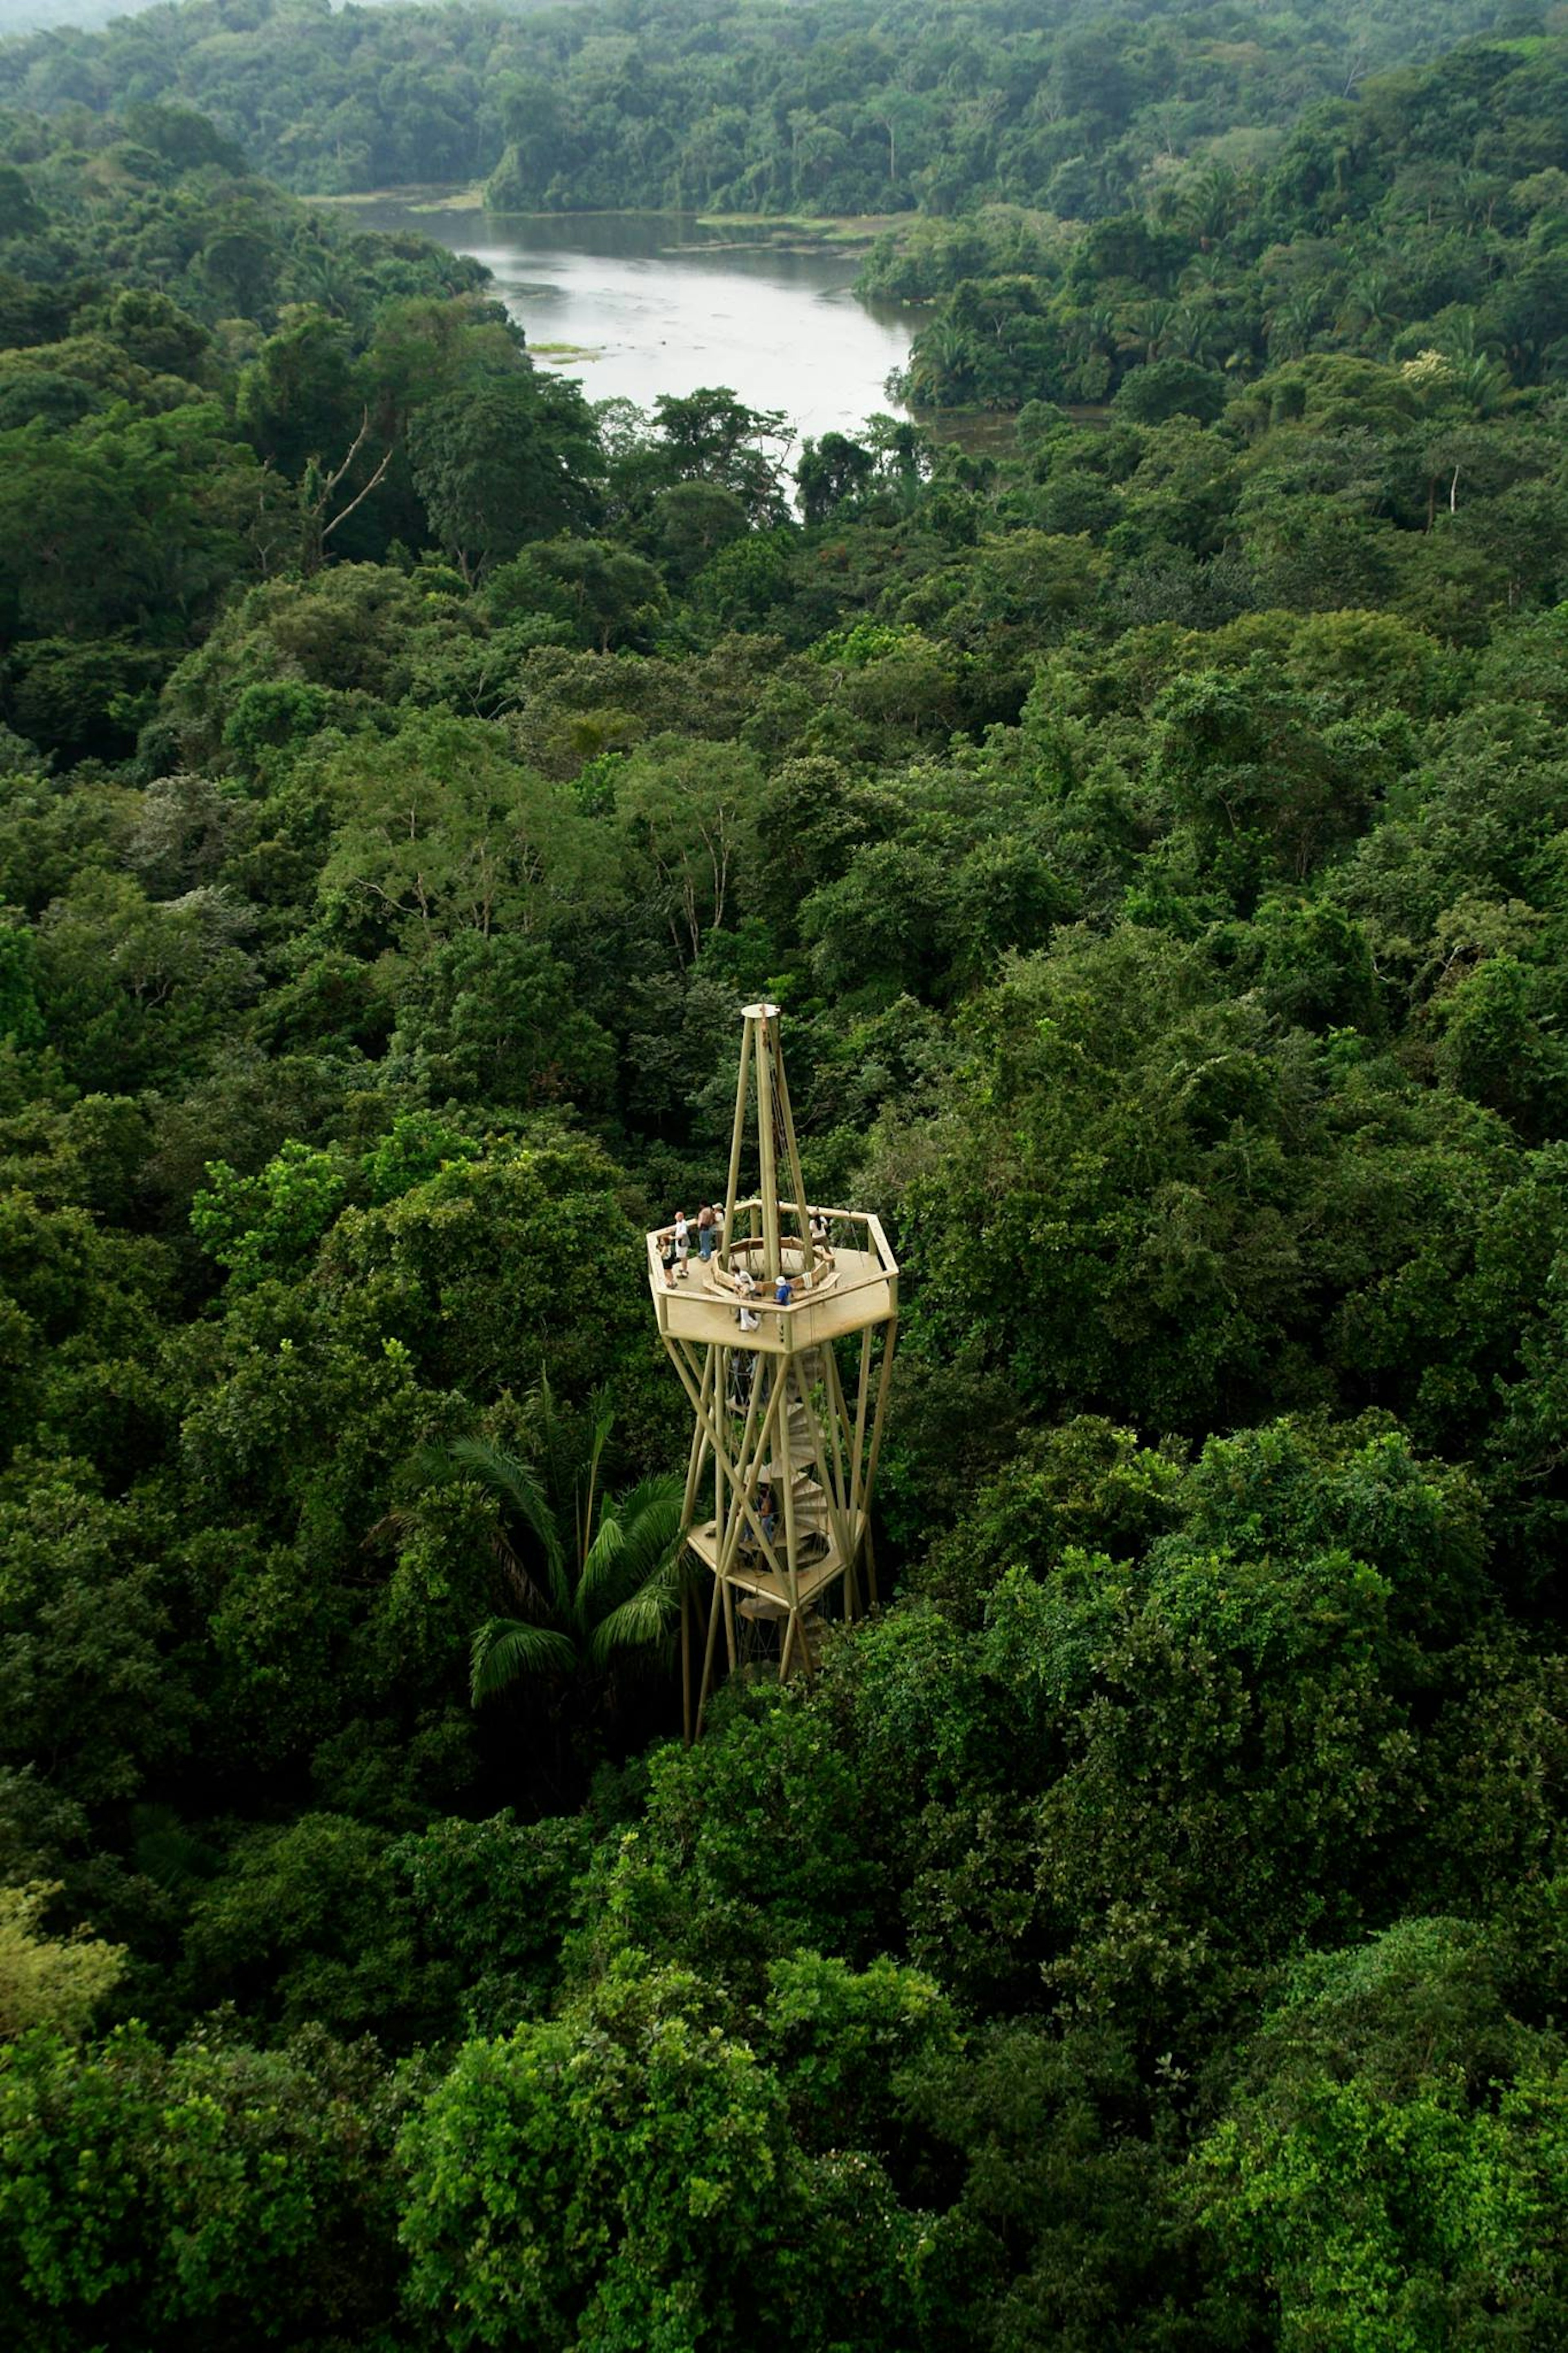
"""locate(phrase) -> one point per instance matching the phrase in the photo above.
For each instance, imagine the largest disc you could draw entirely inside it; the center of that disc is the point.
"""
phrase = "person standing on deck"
(705, 1232)
(682, 1243)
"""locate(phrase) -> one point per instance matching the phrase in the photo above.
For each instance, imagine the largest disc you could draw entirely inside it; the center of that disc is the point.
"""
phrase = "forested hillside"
(1150, 1931)
(1428, 215)
(817, 106)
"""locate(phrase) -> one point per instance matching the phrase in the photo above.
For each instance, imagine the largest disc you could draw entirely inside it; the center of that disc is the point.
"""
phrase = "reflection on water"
(639, 303)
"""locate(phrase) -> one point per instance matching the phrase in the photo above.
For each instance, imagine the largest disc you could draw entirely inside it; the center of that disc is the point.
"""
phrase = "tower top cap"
(759, 1013)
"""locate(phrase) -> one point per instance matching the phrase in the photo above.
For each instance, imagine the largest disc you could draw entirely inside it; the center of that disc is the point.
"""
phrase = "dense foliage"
(1150, 1932)
(815, 106)
(1425, 220)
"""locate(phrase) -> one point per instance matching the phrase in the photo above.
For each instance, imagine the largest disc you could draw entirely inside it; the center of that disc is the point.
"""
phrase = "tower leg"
(707, 1663)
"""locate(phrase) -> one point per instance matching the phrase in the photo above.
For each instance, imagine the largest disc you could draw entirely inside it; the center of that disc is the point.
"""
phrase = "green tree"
(684, 806)
(639, 2185)
(831, 473)
(53, 1981)
(492, 1019)
(595, 1575)
(511, 460)
(710, 437)
(309, 1925)
(441, 833)
(231, 2194)
(298, 398)
(272, 1223)
(1392, 2169)
(694, 522)
(610, 597)
(1171, 387)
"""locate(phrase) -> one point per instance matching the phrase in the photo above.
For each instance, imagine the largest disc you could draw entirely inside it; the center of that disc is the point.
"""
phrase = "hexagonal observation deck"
(782, 1338)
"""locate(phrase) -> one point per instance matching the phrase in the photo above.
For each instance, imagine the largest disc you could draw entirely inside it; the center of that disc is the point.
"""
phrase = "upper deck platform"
(851, 1281)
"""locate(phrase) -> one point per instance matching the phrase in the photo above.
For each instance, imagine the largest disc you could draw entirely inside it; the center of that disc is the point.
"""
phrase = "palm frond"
(642, 1620)
(634, 1536)
(532, 1598)
(661, 1487)
(431, 1464)
(601, 1421)
(600, 1557)
(505, 1649)
(517, 1486)
(554, 1439)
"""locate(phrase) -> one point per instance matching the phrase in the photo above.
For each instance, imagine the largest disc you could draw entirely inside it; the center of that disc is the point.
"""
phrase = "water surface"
(649, 303)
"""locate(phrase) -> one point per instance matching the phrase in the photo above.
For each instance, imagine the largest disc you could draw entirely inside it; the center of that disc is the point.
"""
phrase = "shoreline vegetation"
(464, 196)
(803, 232)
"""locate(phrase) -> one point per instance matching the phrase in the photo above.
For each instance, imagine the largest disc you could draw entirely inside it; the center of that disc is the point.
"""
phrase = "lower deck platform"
(750, 1574)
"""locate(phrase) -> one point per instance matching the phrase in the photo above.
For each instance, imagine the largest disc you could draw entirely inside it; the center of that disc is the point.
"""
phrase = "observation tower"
(782, 1339)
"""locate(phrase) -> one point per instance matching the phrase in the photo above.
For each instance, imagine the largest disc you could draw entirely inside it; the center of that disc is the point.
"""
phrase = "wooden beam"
(693, 1393)
(862, 1393)
(882, 1387)
(707, 1664)
(694, 1466)
(792, 1152)
(889, 1333)
(733, 1185)
(843, 1439)
(745, 1479)
(839, 1422)
(741, 1481)
(791, 1554)
(769, 1187)
(835, 1512)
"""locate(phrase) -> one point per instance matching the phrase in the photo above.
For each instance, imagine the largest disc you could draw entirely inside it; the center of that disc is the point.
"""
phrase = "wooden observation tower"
(783, 1342)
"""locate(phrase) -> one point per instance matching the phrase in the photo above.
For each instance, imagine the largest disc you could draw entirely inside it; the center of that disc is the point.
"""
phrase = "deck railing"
(807, 1284)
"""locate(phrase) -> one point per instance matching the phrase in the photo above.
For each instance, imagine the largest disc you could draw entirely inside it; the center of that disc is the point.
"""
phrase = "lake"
(640, 304)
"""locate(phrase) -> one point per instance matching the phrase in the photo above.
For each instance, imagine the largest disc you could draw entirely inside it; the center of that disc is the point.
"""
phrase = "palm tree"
(593, 1577)
(1290, 325)
(939, 366)
(1369, 307)
(1483, 384)
(1150, 325)
(1100, 324)
(1193, 332)
(1209, 203)
(1462, 336)
(1208, 271)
